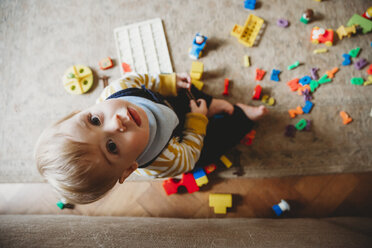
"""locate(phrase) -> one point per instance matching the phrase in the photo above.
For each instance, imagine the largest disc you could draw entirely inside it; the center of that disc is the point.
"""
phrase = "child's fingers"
(184, 85)
(202, 103)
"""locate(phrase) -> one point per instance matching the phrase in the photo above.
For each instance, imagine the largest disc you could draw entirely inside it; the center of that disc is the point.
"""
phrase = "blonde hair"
(67, 166)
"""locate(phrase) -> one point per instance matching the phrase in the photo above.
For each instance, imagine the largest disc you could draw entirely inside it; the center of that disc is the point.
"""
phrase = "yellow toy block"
(197, 69)
(198, 84)
(201, 181)
(225, 161)
(345, 31)
(321, 50)
(220, 202)
(248, 33)
(246, 61)
(78, 79)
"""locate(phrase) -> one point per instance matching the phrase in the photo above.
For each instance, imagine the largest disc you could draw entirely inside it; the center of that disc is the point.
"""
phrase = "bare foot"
(252, 112)
(218, 106)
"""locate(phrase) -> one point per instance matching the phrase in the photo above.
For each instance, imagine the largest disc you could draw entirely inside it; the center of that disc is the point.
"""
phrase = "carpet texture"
(41, 39)
(87, 231)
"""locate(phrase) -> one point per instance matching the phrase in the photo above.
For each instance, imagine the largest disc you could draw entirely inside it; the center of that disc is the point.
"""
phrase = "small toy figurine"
(368, 14)
(307, 16)
(198, 45)
(281, 207)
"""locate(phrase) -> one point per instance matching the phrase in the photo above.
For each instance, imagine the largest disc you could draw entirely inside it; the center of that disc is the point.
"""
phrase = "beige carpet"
(40, 39)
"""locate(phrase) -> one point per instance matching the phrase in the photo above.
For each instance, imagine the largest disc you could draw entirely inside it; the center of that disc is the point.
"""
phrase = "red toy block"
(260, 74)
(226, 90)
(257, 92)
(369, 69)
(171, 185)
(105, 63)
(293, 84)
(210, 168)
(126, 67)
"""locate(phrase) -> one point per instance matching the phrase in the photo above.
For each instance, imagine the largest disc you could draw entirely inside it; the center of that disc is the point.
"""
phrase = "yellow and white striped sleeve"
(180, 157)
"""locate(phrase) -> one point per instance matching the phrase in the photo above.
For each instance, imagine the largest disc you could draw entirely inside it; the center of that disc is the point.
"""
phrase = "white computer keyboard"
(143, 47)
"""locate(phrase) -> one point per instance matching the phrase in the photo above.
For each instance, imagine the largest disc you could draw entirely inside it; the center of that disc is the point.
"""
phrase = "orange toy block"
(294, 112)
(260, 74)
(301, 89)
(226, 90)
(332, 72)
(346, 119)
(293, 84)
(171, 185)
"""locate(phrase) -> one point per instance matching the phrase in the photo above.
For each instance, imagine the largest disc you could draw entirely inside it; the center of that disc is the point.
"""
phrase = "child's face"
(117, 129)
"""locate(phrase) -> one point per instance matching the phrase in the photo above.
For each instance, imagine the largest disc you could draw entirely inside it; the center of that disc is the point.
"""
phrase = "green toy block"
(364, 23)
(357, 81)
(313, 85)
(324, 79)
(354, 52)
(61, 205)
(301, 124)
(290, 67)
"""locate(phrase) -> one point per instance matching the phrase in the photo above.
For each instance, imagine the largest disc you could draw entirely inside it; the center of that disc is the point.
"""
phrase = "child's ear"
(128, 171)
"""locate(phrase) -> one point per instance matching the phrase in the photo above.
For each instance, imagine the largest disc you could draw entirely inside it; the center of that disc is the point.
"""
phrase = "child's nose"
(119, 123)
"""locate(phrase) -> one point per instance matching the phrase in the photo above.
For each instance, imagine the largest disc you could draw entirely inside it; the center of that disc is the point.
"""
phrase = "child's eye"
(111, 147)
(94, 120)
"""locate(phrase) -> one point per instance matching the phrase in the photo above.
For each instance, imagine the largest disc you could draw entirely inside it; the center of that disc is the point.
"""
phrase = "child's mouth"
(135, 116)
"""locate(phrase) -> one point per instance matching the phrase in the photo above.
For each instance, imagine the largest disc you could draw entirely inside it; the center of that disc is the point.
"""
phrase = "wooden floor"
(308, 196)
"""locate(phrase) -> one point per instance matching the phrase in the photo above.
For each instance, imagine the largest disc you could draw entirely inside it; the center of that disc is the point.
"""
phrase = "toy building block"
(105, 63)
(226, 88)
(369, 70)
(248, 33)
(347, 59)
(294, 65)
(307, 95)
(324, 79)
(210, 168)
(267, 99)
(294, 112)
(290, 131)
(282, 23)
(332, 72)
(368, 82)
(305, 80)
(356, 81)
(275, 75)
(301, 89)
(346, 119)
(246, 61)
(248, 138)
(198, 44)
(314, 85)
(354, 52)
(301, 124)
(360, 64)
(321, 50)
(198, 84)
(171, 185)
(260, 74)
(307, 16)
(364, 23)
(281, 207)
(64, 204)
(78, 79)
(308, 106)
(126, 67)
(314, 73)
(250, 4)
(321, 35)
(200, 177)
(226, 161)
(257, 92)
(293, 84)
(197, 69)
(220, 202)
(342, 31)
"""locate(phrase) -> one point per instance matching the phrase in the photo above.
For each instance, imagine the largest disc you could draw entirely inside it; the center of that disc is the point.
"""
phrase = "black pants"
(223, 131)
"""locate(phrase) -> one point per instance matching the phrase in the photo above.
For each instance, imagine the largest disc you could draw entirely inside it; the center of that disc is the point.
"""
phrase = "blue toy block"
(250, 4)
(347, 59)
(305, 80)
(275, 75)
(308, 106)
(277, 210)
(199, 173)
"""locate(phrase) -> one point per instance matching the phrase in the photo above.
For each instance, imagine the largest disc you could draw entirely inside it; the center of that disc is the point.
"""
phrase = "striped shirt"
(178, 157)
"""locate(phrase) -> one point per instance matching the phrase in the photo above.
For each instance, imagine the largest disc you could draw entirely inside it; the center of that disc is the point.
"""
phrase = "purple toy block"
(290, 131)
(282, 23)
(314, 73)
(308, 125)
(307, 95)
(360, 64)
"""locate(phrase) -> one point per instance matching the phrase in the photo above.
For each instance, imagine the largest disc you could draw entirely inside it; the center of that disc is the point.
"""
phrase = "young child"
(140, 123)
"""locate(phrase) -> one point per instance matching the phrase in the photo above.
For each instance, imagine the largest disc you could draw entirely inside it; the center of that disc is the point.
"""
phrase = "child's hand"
(183, 81)
(199, 106)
